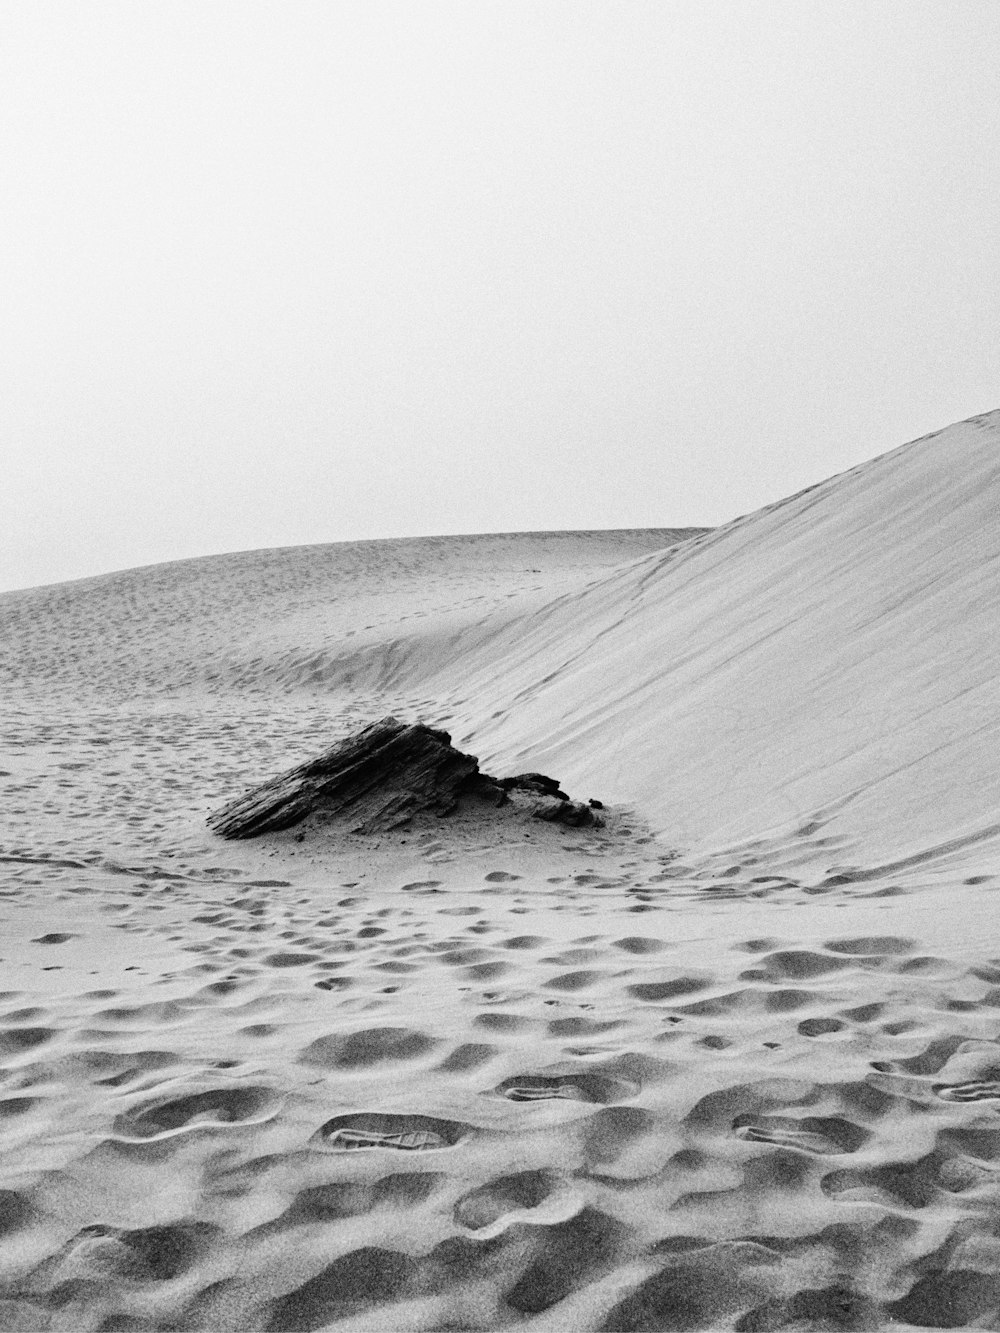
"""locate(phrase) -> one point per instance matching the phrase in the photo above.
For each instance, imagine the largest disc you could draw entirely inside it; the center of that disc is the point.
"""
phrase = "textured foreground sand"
(465, 1075)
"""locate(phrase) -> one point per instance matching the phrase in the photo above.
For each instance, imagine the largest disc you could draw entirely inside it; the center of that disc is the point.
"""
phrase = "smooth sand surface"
(829, 660)
(728, 1061)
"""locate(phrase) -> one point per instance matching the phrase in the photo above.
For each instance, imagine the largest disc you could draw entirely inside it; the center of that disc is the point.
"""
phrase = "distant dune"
(274, 619)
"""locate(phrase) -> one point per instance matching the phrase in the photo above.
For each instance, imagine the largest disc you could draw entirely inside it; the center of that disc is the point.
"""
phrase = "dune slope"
(830, 658)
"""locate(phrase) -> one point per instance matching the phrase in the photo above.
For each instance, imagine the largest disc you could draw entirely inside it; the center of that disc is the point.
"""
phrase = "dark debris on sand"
(380, 778)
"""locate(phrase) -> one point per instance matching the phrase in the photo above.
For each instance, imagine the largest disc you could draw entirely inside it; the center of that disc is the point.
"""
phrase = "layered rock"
(379, 779)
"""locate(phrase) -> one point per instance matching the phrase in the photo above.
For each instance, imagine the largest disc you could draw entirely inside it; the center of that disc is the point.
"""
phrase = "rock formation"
(378, 779)
(576, 814)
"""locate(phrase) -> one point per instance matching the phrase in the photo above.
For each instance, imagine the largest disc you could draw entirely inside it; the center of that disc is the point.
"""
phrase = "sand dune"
(680, 1071)
(267, 620)
(829, 661)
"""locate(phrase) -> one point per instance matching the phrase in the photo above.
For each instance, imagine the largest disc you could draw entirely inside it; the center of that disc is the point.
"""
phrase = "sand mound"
(823, 671)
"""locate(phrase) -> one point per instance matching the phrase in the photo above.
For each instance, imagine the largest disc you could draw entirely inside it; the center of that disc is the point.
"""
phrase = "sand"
(712, 1065)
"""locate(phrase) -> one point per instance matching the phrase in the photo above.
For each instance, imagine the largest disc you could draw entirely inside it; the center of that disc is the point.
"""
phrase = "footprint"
(872, 944)
(813, 1134)
(568, 1256)
(639, 944)
(797, 964)
(573, 981)
(563, 1087)
(501, 1022)
(819, 1027)
(987, 1090)
(666, 990)
(911, 1087)
(15, 1040)
(16, 1212)
(607, 1134)
(931, 1060)
(470, 1055)
(580, 1027)
(337, 1200)
(463, 957)
(863, 1013)
(358, 1050)
(406, 1133)
(15, 1106)
(967, 1071)
(289, 959)
(913, 1184)
(366, 1277)
(216, 1108)
(507, 1194)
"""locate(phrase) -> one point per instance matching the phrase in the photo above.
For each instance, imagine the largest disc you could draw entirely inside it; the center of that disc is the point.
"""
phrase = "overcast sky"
(292, 272)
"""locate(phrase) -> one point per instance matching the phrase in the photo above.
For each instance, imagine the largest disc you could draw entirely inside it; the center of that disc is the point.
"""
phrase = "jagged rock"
(377, 779)
(574, 813)
(536, 782)
(380, 778)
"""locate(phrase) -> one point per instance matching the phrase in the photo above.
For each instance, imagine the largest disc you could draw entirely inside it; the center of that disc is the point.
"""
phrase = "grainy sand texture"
(730, 1060)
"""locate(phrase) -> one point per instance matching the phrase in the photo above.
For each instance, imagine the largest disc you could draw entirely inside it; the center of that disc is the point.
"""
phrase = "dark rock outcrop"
(574, 813)
(536, 782)
(380, 778)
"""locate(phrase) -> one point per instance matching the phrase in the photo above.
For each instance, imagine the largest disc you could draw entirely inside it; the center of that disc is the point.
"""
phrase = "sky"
(293, 272)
